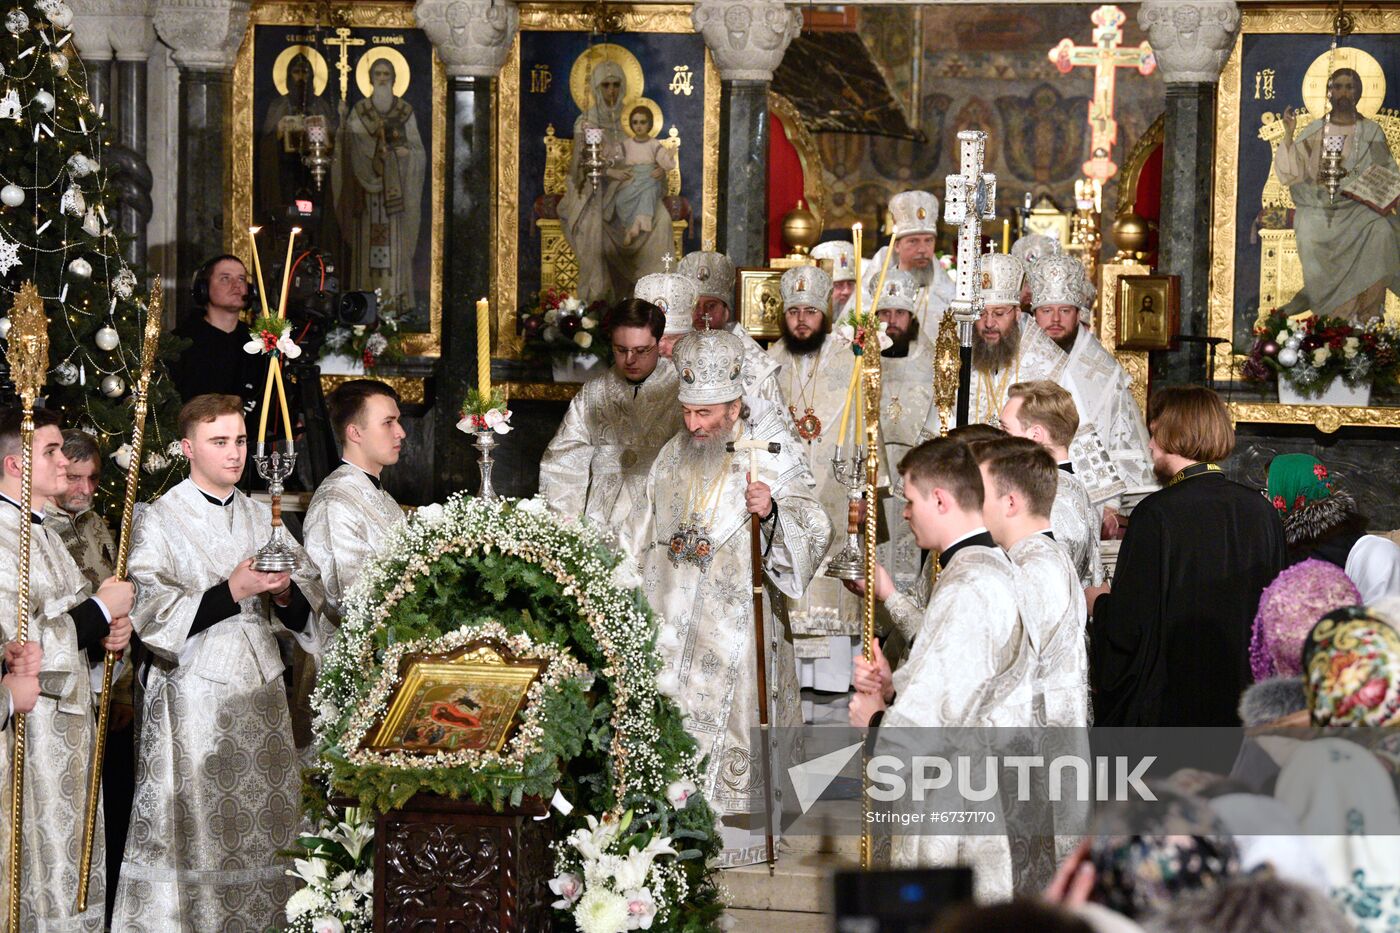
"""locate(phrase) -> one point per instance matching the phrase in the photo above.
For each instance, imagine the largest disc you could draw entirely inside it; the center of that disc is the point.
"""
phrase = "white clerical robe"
(970, 665)
(1037, 357)
(906, 405)
(935, 293)
(761, 376)
(1076, 524)
(1104, 393)
(827, 617)
(705, 614)
(59, 738)
(348, 518)
(217, 782)
(596, 466)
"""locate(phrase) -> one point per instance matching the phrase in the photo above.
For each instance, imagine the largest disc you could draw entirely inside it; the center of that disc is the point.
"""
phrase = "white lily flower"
(641, 908)
(254, 346)
(287, 346)
(568, 887)
(498, 420)
(678, 793)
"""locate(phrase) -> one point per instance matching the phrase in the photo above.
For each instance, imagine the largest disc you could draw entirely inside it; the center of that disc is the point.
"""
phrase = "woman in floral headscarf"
(1322, 521)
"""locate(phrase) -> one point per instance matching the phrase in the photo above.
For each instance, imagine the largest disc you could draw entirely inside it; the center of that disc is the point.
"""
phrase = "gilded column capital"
(102, 26)
(746, 37)
(473, 37)
(1191, 40)
(203, 35)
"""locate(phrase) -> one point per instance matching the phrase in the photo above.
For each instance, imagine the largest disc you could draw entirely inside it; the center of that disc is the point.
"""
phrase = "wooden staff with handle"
(870, 379)
(29, 364)
(754, 447)
(150, 343)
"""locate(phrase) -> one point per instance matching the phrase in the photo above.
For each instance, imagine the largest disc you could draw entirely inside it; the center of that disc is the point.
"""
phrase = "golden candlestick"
(150, 344)
(29, 363)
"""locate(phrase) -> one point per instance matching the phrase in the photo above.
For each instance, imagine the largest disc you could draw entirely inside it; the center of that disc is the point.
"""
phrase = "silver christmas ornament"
(16, 21)
(1288, 357)
(65, 373)
(113, 386)
(44, 101)
(60, 63)
(12, 195)
(107, 338)
(123, 283)
(80, 269)
(4, 327)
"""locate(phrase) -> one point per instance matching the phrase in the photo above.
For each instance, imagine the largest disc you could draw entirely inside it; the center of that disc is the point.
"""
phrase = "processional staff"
(971, 199)
(150, 343)
(29, 362)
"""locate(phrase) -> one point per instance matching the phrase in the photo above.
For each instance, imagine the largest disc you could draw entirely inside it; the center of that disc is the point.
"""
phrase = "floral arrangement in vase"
(337, 878)
(1308, 353)
(561, 327)
(368, 345)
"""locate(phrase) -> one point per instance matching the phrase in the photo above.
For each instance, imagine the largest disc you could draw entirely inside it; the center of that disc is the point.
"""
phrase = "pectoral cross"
(343, 66)
(1107, 57)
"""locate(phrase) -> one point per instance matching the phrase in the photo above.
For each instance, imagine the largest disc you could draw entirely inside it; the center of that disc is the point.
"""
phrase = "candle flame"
(255, 230)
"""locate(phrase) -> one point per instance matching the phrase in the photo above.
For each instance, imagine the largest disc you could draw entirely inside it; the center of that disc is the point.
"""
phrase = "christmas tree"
(56, 230)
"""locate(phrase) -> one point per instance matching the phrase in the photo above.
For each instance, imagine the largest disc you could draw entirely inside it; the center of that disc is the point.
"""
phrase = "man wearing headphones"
(215, 362)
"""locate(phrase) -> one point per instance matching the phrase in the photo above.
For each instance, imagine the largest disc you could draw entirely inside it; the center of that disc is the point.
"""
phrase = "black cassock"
(1169, 646)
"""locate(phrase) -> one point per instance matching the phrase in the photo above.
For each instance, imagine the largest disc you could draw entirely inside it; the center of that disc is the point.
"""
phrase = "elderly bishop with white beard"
(692, 540)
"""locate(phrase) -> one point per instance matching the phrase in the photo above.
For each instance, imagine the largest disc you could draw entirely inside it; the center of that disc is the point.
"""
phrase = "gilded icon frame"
(239, 204)
(1165, 293)
(576, 17)
(761, 302)
(1310, 19)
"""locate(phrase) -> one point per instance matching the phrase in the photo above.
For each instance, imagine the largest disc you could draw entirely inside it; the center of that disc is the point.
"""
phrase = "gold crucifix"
(343, 66)
(1107, 57)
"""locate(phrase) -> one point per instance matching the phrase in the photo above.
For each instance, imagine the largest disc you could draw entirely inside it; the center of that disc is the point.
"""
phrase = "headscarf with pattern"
(1289, 607)
(1296, 480)
(1351, 669)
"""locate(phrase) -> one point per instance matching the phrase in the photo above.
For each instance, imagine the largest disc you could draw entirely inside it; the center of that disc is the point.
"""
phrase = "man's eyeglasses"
(627, 353)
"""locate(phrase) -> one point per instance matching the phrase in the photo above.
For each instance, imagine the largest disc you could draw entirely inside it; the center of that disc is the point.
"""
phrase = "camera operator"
(215, 362)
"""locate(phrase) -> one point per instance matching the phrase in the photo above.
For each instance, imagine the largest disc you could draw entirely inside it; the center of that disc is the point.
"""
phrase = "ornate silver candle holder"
(276, 556)
(849, 563)
(486, 443)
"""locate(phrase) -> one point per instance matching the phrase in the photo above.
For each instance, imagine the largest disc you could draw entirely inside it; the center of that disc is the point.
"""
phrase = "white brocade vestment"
(1037, 358)
(970, 665)
(828, 614)
(1054, 615)
(349, 516)
(1104, 394)
(1076, 525)
(906, 401)
(596, 466)
(935, 292)
(706, 614)
(217, 782)
(59, 739)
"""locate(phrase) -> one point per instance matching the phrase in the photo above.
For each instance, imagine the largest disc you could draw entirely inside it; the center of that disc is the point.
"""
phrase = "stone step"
(787, 921)
(801, 883)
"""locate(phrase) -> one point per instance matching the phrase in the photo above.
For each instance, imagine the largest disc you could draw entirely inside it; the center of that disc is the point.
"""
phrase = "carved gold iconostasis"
(1282, 58)
(367, 83)
(644, 77)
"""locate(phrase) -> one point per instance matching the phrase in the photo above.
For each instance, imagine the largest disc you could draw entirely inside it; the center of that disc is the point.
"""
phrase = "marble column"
(747, 39)
(204, 36)
(1191, 41)
(472, 37)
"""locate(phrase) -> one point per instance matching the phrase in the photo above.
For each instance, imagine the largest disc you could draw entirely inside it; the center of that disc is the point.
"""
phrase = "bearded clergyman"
(713, 274)
(691, 536)
(816, 370)
(915, 217)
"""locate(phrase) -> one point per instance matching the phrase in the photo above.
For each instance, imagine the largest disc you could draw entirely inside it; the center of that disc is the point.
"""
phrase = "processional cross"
(970, 199)
(1106, 56)
(343, 66)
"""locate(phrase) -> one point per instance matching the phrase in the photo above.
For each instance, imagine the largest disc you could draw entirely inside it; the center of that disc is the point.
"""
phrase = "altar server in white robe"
(596, 466)
(970, 664)
(906, 405)
(217, 782)
(1062, 300)
(351, 512)
(713, 274)
(691, 538)
(1045, 413)
(72, 627)
(915, 218)
(816, 367)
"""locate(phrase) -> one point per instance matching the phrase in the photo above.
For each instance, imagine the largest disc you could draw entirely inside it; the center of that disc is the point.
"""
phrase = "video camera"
(315, 302)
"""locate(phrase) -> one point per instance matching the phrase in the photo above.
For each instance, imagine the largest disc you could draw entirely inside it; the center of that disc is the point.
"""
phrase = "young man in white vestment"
(596, 465)
(217, 782)
(73, 627)
(816, 368)
(1045, 413)
(971, 663)
(351, 513)
(915, 218)
(691, 537)
(1062, 300)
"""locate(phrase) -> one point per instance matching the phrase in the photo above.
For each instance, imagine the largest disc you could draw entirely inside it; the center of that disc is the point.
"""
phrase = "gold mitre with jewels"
(1060, 280)
(841, 255)
(674, 294)
(898, 293)
(806, 287)
(712, 272)
(1033, 247)
(710, 364)
(1002, 275)
(914, 212)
